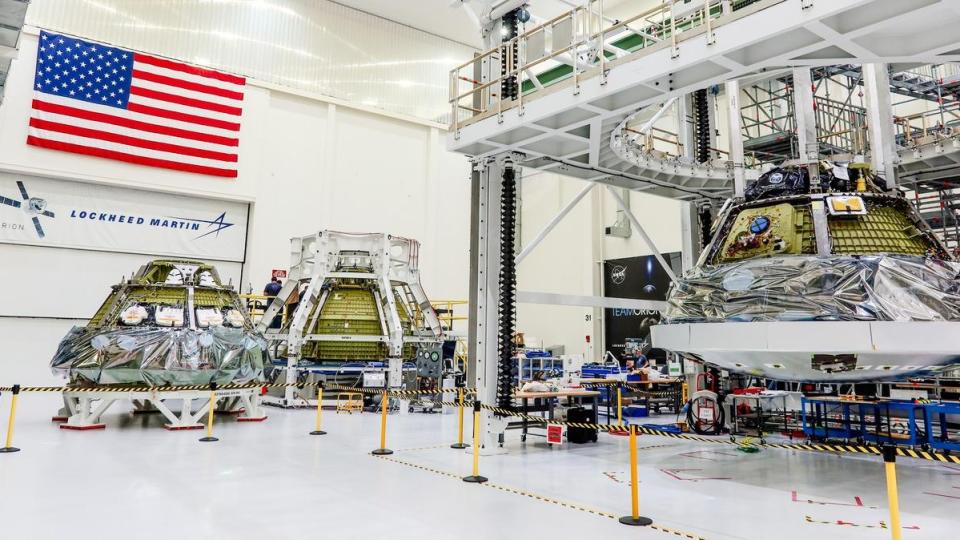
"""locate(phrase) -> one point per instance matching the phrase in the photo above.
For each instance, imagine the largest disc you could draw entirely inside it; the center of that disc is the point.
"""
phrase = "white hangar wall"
(306, 163)
(310, 162)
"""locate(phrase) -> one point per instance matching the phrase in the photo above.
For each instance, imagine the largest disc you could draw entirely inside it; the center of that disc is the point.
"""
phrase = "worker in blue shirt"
(273, 288)
(271, 291)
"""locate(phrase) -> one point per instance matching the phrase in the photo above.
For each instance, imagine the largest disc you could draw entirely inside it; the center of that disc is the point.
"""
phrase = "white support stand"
(84, 409)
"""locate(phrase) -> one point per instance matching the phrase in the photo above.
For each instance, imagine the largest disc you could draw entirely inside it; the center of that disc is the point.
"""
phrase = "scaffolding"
(770, 126)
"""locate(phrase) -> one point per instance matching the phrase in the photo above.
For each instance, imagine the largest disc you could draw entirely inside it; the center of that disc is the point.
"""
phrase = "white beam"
(643, 234)
(553, 299)
(646, 127)
(554, 222)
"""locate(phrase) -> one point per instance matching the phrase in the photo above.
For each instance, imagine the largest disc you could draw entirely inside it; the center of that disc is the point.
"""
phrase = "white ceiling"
(439, 18)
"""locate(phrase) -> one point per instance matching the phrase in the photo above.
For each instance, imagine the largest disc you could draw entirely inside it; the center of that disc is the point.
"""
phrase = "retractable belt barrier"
(807, 447)
(835, 448)
(888, 453)
(203, 387)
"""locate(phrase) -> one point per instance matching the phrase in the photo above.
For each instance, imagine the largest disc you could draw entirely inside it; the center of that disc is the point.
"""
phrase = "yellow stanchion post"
(460, 445)
(319, 431)
(475, 478)
(634, 518)
(893, 497)
(8, 446)
(619, 404)
(384, 407)
(213, 405)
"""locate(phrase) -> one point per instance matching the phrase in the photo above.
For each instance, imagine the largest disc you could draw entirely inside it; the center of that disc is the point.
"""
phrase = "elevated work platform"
(569, 124)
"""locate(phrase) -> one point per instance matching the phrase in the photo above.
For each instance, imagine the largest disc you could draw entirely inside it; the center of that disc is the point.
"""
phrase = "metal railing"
(769, 111)
(257, 305)
(581, 40)
(447, 312)
(936, 72)
(939, 123)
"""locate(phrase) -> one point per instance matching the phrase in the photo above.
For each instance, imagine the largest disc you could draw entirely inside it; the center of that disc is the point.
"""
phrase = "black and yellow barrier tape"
(123, 389)
(541, 498)
(835, 448)
(399, 393)
(245, 386)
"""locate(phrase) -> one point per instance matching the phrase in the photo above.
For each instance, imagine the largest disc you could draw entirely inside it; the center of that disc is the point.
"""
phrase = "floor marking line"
(673, 474)
(419, 448)
(842, 523)
(857, 501)
(941, 495)
(542, 498)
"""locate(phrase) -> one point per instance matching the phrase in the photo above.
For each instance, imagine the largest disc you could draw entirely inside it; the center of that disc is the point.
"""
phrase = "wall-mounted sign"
(58, 213)
(627, 331)
(279, 274)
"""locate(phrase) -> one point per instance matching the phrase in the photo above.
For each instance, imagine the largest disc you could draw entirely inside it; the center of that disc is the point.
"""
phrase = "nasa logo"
(618, 274)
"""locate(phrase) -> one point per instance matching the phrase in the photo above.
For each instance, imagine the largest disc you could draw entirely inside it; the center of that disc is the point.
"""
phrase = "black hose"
(511, 28)
(716, 428)
(705, 216)
(701, 109)
(506, 310)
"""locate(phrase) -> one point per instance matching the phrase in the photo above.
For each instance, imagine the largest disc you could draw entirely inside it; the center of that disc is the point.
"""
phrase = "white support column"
(482, 368)
(643, 234)
(395, 359)
(690, 226)
(805, 114)
(598, 239)
(883, 146)
(736, 137)
(685, 126)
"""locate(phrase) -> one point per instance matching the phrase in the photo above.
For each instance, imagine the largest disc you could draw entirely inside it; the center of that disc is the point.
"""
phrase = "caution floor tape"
(541, 498)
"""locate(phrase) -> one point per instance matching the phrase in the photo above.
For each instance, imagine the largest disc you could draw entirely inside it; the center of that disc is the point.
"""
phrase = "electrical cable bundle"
(506, 310)
(705, 215)
(701, 109)
(511, 28)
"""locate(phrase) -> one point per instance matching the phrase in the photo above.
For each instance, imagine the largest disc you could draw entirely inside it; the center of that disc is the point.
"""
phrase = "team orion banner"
(57, 213)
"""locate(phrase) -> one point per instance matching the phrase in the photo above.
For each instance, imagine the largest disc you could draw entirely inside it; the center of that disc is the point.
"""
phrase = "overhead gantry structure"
(559, 95)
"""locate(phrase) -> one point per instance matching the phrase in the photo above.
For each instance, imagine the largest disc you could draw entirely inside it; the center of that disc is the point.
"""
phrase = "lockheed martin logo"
(32, 206)
(618, 274)
(214, 226)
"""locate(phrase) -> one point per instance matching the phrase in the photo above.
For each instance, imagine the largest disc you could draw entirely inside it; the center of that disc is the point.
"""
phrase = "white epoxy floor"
(272, 480)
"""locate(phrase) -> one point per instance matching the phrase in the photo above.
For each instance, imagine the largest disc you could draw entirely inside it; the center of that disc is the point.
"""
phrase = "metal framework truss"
(390, 264)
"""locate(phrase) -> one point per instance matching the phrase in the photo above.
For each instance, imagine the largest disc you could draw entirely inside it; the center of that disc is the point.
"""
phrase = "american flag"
(118, 104)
